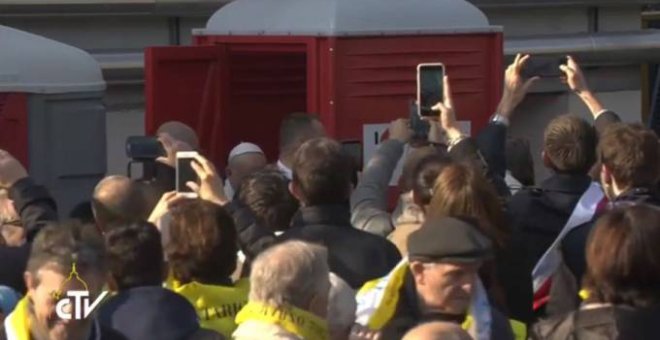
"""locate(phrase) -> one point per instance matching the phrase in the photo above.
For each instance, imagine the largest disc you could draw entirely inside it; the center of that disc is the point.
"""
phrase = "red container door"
(186, 84)
(231, 92)
(14, 125)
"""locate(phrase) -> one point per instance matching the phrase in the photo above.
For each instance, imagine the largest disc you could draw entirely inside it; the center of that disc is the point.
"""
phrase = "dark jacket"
(150, 313)
(36, 208)
(13, 261)
(354, 255)
(34, 205)
(407, 315)
(536, 216)
(575, 243)
(600, 323)
(253, 238)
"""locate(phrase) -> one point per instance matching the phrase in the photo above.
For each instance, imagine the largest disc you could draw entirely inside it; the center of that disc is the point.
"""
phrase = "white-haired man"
(289, 286)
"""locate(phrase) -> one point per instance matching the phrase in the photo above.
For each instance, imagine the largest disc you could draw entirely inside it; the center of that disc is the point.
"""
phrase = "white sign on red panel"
(375, 134)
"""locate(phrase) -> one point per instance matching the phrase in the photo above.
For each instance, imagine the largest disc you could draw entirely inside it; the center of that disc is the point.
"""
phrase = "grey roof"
(346, 17)
(34, 64)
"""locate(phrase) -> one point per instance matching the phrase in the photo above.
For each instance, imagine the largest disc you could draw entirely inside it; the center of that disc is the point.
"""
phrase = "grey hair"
(291, 273)
(341, 307)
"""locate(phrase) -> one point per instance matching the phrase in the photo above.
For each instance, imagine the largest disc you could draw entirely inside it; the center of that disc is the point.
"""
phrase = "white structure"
(63, 127)
(345, 17)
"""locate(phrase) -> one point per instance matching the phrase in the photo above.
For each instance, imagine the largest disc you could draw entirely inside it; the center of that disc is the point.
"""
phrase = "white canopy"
(346, 17)
(34, 64)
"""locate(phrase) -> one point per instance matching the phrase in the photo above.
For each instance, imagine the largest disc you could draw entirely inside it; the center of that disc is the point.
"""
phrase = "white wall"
(537, 110)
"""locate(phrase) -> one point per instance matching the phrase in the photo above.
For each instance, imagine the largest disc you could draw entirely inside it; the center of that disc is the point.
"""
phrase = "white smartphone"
(429, 87)
(185, 173)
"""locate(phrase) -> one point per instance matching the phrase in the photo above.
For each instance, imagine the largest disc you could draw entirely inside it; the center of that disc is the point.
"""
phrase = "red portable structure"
(351, 62)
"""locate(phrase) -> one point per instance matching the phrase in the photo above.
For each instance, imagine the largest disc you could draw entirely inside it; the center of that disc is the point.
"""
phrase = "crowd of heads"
(139, 235)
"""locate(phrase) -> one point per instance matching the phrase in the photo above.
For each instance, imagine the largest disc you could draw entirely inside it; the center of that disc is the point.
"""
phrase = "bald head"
(180, 132)
(437, 331)
(117, 199)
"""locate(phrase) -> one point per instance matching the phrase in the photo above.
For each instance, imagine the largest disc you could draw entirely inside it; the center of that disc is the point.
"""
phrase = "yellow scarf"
(296, 321)
(378, 299)
(18, 321)
(216, 305)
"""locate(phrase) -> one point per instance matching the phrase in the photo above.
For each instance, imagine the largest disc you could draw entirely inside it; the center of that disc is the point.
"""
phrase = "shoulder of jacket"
(556, 327)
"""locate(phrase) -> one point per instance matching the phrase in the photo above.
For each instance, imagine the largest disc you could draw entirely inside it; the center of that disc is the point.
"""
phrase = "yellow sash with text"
(216, 305)
(294, 320)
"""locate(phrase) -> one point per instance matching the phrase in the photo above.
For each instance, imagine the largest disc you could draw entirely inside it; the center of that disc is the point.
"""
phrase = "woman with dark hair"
(202, 255)
(622, 284)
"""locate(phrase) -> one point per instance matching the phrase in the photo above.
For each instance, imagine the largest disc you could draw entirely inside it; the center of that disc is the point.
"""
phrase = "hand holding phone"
(430, 88)
(185, 173)
(543, 67)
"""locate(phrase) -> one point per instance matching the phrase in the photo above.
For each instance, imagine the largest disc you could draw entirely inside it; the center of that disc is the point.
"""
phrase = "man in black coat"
(537, 215)
(321, 181)
(35, 208)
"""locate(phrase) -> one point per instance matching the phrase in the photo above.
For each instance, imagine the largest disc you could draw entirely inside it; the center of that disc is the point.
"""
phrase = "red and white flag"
(584, 212)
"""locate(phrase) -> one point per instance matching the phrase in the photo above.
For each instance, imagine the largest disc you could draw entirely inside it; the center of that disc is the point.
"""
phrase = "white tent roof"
(346, 17)
(34, 64)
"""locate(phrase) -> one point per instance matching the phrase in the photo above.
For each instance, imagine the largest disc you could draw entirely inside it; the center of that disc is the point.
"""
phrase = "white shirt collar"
(229, 190)
(287, 172)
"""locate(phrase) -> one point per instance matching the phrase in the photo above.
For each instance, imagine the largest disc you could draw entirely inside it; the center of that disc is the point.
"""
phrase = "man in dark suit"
(322, 182)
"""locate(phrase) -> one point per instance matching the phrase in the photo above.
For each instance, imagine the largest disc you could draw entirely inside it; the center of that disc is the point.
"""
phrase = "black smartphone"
(429, 87)
(185, 172)
(353, 149)
(144, 148)
(420, 127)
(544, 67)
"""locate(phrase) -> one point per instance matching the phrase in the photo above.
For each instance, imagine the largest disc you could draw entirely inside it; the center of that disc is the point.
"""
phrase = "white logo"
(81, 305)
(78, 300)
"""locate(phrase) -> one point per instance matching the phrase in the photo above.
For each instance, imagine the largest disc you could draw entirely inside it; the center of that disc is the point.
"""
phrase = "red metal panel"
(376, 77)
(326, 85)
(264, 86)
(269, 77)
(181, 83)
(14, 125)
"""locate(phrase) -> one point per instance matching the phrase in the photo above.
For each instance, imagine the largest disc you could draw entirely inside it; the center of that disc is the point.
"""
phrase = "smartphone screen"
(429, 87)
(185, 172)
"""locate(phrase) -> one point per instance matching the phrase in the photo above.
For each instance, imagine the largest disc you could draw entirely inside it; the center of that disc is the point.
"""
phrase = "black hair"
(135, 255)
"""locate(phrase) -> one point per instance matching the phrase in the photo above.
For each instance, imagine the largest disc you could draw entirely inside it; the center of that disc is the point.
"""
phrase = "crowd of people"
(306, 248)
